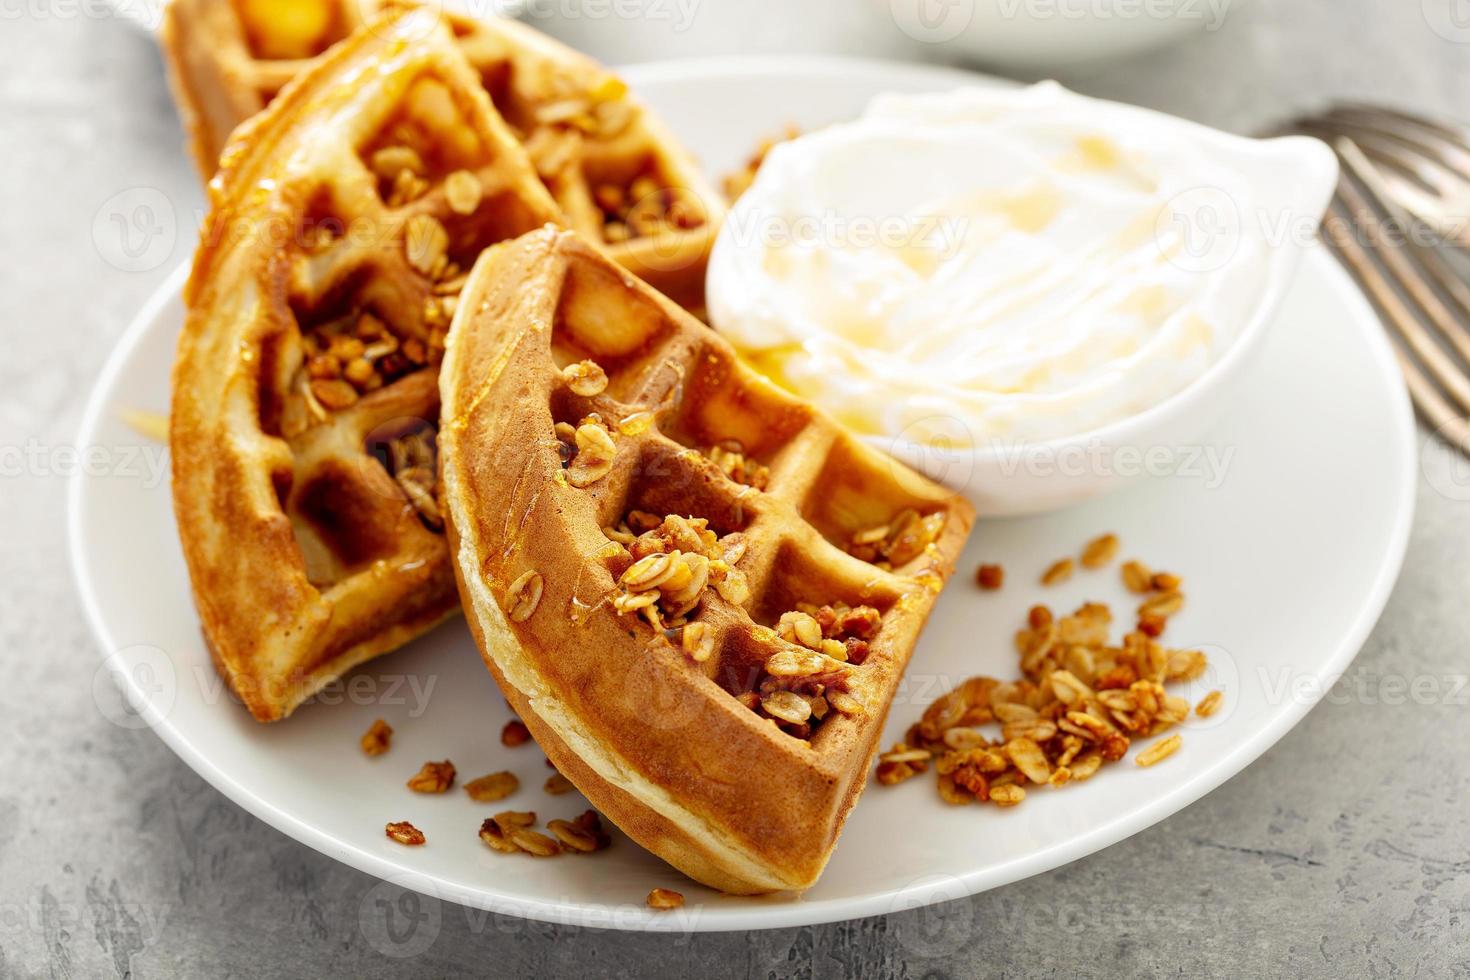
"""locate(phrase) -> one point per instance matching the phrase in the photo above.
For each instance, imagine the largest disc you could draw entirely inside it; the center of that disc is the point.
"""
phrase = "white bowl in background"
(1033, 35)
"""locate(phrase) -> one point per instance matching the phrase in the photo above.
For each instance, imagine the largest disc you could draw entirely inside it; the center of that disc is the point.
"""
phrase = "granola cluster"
(675, 559)
(405, 833)
(433, 777)
(411, 460)
(645, 206)
(1081, 702)
(556, 132)
(586, 450)
(739, 182)
(811, 675)
(566, 116)
(511, 832)
(585, 378)
(377, 739)
(730, 457)
(898, 542)
(664, 899)
(352, 356)
(358, 353)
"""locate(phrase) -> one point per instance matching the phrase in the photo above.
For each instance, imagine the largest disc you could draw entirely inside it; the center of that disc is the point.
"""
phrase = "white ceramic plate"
(1289, 542)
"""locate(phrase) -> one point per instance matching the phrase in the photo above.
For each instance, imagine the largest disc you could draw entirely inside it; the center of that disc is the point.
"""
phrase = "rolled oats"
(1007, 795)
(1164, 604)
(698, 641)
(557, 785)
(1137, 577)
(1209, 704)
(533, 842)
(491, 788)
(434, 777)
(524, 595)
(663, 898)
(585, 378)
(1160, 750)
(787, 706)
(463, 192)
(1100, 551)
(425, 243)
(375, 741)
(405, 833)
(1059, 571)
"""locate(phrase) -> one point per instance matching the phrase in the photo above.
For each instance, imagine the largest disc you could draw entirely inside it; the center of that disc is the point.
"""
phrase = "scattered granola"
(556, 785)
(405, 833)
(495, 786)
(1059, 571)
(1160, 750)
(375, 741)
(645, 206)
(1100, 551)
(663, 898)
(990, 577)
(1137, 577)
(1079, 704)
(738, 182)
(514, 733)
(434, 777)
(1209, 704)
(511, 832)
(583, 835)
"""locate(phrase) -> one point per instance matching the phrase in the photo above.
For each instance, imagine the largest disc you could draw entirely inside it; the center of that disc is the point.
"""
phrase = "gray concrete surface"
(1344, 852)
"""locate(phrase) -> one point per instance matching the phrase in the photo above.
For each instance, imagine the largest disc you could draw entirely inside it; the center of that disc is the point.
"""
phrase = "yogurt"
(1028, 263)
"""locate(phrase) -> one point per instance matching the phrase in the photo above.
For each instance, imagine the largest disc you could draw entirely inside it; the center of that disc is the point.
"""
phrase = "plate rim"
(798, 912)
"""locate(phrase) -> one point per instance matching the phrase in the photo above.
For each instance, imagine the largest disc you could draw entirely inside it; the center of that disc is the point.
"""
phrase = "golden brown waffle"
(617, 174)
(305, 394)
(578, 405)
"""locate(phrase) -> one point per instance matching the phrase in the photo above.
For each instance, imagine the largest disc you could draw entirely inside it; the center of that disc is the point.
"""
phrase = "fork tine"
(1429, 258)
(1453, 133)
(1436, 163)
(1448, 424)
(1410, 279)
(1397, 315)
(1439, 200)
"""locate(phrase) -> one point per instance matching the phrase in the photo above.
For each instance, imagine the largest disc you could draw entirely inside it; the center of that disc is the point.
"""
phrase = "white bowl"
(1296, 176)
(1049, 34)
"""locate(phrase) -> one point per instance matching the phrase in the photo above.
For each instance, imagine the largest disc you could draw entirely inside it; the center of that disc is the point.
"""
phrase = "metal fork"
(1395, 165)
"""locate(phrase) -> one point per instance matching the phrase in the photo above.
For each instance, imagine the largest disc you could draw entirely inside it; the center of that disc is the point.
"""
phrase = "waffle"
(618, 176)
(708, 661)
(305, 393)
